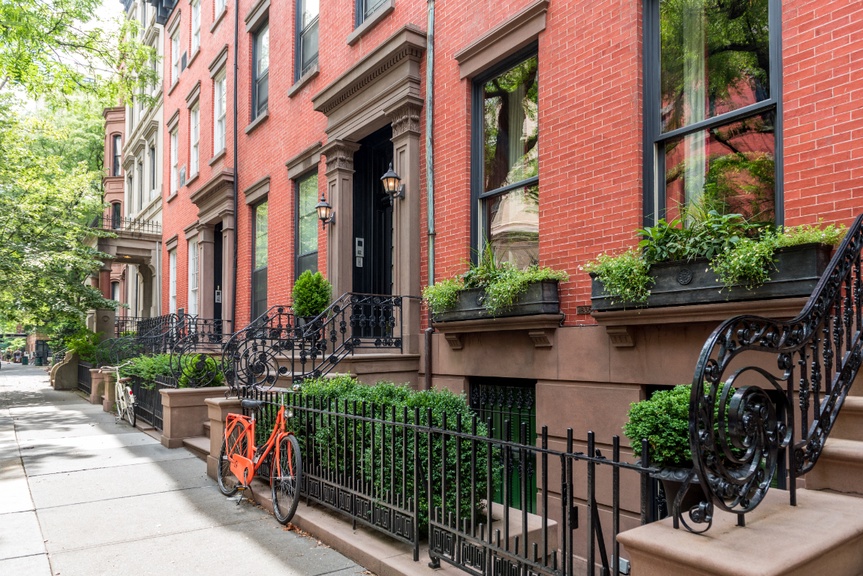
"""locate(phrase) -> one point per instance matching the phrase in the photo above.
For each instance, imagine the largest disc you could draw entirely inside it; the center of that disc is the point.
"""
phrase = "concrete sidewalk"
(83, 495)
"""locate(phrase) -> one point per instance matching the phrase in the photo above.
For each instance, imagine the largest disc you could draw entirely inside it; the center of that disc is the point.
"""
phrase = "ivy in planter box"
(739, 253)
(502, 283)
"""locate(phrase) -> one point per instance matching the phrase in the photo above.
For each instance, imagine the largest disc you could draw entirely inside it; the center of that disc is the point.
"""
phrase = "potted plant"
(663, 420)
(713, 257)
(311, 295)
(493, 289)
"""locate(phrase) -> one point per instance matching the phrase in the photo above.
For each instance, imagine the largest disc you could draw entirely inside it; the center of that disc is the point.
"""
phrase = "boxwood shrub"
(380, 454)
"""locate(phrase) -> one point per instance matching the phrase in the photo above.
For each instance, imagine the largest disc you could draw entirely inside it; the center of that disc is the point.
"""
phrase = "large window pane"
(733, 166)
(307, 226)
(510, 125)
(715, 58)
(261, 236)
(513, 229)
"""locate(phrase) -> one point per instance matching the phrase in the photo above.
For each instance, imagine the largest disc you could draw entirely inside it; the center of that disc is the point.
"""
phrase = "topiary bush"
(200, 371)
(148, 368)
(311, 294)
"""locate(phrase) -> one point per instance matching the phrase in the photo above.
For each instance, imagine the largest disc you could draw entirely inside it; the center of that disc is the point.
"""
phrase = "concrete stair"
(840, 466)
(199, 445)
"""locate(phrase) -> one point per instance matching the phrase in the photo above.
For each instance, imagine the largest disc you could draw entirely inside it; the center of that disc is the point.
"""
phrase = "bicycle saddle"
(251, 404)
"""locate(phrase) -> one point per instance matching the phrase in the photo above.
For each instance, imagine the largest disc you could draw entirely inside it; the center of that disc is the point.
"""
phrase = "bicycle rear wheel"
(228, 483)
(131, 416)
(287, 473)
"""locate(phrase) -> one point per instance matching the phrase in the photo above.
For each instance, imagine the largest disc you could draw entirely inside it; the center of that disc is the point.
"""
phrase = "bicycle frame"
(245, 463)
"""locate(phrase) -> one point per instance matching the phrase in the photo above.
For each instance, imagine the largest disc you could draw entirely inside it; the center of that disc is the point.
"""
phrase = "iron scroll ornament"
(743, 418)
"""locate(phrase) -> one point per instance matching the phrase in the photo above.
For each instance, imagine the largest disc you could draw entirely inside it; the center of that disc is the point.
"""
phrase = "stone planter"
(798, 270)
(540, 298)
(184, 412)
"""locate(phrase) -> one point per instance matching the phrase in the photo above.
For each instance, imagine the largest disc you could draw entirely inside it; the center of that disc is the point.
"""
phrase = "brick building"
(552, 130)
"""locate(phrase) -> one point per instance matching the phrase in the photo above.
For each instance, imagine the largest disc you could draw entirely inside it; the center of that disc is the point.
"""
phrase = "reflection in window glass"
(715, 58)
(510, 164)
(307, 236)
(260, 236)
(733, 164)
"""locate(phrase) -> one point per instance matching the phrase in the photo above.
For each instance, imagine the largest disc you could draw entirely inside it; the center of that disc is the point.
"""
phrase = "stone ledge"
(823, 534)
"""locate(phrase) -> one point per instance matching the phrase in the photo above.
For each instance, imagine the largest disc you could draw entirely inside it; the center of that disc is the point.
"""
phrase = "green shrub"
(663, 419)
(625, 277)
(84, 344)
(199, 371)
(387, 457)
(311, 294)
(148, 368)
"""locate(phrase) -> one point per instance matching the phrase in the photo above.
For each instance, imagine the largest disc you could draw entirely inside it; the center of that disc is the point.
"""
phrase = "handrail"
(278, 344)
(739, 431)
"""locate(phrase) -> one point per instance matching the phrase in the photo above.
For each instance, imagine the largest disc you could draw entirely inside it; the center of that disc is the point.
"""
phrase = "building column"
(340, 195)
(206, 262)
(405, 120)
(228, 232)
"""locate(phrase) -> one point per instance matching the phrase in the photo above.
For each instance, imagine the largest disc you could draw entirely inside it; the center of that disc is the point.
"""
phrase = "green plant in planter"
(200, 370)
(311, 294)
(663, 419)
(502, 282)
(739, 253)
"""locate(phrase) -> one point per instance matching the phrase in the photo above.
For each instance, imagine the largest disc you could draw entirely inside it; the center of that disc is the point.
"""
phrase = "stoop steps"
(840, 466)
(199, 445)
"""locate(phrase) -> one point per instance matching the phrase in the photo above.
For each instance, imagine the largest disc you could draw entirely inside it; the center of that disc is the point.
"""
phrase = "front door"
(373, 216)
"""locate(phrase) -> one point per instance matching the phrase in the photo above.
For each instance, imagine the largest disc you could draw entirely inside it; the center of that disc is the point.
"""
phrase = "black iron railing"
(280, 345)
(410, 474)
(195, 355)
(148, 401)
(85, 381)
(744, 424)
(124, 224)
(126, 325)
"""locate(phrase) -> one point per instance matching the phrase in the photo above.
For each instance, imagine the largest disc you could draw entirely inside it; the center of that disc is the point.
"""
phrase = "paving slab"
(14, 487)
(36, 565)
(20, 535)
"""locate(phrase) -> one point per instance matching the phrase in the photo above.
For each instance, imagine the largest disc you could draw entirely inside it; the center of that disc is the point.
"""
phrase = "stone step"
(839, 468)
(198, 445)
(849, 424)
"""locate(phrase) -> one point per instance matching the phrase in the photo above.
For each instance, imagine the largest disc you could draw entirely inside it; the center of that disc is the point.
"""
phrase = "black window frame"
(116, 215)
(477, 150)
(302, 33)
(260, 83)
(117, 146)
(300, 260)
(259, 281)
(654, 194)
(364, 9)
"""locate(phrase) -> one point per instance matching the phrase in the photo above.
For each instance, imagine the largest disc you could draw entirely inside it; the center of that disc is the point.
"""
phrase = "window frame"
(362, 12)
(175, 161)
(298, 269)
(196, 26)
(117, 153)
(302, 32)
(172, 281)
(193, 274)
(654, 193)
(220, 112)
(153, 168)
(194, 140)
(260, 79)
(175, 57)
(258, 304)
(477, 151)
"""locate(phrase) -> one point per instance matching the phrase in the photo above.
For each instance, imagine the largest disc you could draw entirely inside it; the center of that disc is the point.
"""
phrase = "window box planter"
(540, 298)
(798, 270)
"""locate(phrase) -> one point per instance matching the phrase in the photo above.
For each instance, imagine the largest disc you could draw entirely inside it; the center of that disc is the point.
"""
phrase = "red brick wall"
(823, 90)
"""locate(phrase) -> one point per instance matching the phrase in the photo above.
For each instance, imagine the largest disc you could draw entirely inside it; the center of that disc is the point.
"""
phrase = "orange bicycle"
(240, 459)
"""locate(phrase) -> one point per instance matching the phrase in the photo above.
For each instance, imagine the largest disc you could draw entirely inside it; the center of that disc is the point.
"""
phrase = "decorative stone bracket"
(539, 328)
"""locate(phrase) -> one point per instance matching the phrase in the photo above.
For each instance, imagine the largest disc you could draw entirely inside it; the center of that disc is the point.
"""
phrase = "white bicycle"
(124, 398)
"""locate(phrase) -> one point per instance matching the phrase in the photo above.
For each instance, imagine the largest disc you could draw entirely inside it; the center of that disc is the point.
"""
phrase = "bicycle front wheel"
(286, 475)
(131, 416)
(235, 442)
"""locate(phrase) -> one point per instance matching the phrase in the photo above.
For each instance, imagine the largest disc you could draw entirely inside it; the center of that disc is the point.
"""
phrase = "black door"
(217, 274)
(373, 216)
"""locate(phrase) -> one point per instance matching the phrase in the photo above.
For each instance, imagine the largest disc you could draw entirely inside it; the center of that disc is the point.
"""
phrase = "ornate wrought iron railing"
(279, 345)
(743, 421)
(195, 354)
(125, 224)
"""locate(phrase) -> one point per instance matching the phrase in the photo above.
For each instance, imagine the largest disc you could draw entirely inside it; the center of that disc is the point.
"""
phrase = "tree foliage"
(50, 192)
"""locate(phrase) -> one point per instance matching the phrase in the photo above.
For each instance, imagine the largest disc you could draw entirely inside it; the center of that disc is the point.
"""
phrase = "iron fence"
(148, 401)
(85, 382)
(126, 224)
(418, 474)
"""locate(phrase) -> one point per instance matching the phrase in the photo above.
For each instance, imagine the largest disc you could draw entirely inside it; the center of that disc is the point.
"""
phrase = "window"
(259, 261)
(175, 57)
(115, 291)
(175, 162)
(261, 71)
(152, 170)
(194, 139)
(307, 225)
(116, 148)
(196, 25)
(116, 215)
(140, 176)
(505, 167)
(172, 281)
(366, 8)
(220, 6)
(307, 37)
(192, 304)
(711, 108)
(219, 97)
